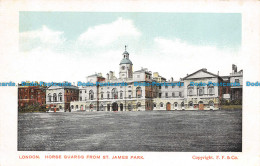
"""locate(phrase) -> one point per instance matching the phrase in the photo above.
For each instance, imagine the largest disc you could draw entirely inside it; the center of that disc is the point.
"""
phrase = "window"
(49, 97)
(200, 92)
(154, 104)
(138, 76)
(211, 103)
(190, 104)
(138, 105)
(91, 95)
(121, 94)
(180, 94)
(166, 95)
(55, 97)
(77, 106)
(173, 94)
(102, 95)
(211, 90)
(108, 95)
(60, 97)
(161, 104)
(190, 92)
(123, 68)
(129, 96)
(160, 95)
(80, 91)
(138, 92)
(114, 93)
(80, 98)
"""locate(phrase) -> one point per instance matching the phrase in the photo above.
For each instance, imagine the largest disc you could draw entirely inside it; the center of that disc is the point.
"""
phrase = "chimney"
(111, 75)
(204, 69)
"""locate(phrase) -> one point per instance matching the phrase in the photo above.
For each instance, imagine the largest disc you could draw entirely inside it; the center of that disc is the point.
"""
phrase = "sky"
(68, 46)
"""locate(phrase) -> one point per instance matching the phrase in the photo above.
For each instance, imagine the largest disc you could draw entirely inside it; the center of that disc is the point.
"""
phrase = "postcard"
(130, 83)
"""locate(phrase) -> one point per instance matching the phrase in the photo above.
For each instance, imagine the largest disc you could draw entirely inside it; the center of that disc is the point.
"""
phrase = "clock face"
(123, 67)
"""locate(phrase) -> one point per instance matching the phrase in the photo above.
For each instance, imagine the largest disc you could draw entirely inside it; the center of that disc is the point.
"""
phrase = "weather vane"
(125, 47)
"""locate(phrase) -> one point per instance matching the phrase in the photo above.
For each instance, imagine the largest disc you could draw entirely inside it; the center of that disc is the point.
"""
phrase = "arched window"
(200, 91)
(211, 90)
(121, 94)
(154, 105)
(60, 97)
(114, 93)
(102, 95)
(138, 92)
(182, 104)
(175, 104)
(91, 95)
(108, 95)
(161, 104)
(190, 104)
(55, 97)
(190, 90)
(72, 107)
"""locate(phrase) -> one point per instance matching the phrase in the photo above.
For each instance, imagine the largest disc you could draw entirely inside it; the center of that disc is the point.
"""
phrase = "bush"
(33, 108)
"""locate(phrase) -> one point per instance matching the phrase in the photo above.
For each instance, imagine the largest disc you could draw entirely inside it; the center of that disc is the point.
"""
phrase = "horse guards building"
(142, 98)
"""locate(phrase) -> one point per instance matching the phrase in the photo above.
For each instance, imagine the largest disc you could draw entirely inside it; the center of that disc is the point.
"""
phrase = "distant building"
(58, 98)
(141, 98)
(31, 95)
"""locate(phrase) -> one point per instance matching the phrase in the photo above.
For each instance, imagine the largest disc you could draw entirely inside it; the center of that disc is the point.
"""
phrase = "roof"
(125, 61)
(205, 71)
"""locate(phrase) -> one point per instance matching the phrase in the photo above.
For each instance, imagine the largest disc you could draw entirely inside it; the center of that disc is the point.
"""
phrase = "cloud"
(105, 34)
(42, 38)
(180, 58)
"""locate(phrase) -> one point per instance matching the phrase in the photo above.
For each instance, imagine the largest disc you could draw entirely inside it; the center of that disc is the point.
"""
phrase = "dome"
(125, 53)
(125, 61)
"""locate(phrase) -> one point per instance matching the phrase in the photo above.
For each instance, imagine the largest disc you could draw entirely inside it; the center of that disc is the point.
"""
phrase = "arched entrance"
(201, 105)
(114, 107)
(121, 107)
(168, 106)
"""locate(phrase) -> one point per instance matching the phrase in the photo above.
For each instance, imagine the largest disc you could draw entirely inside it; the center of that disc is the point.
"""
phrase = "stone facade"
(132, 97)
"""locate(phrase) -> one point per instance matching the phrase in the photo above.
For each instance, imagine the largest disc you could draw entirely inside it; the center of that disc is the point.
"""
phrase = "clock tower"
(126, 67)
